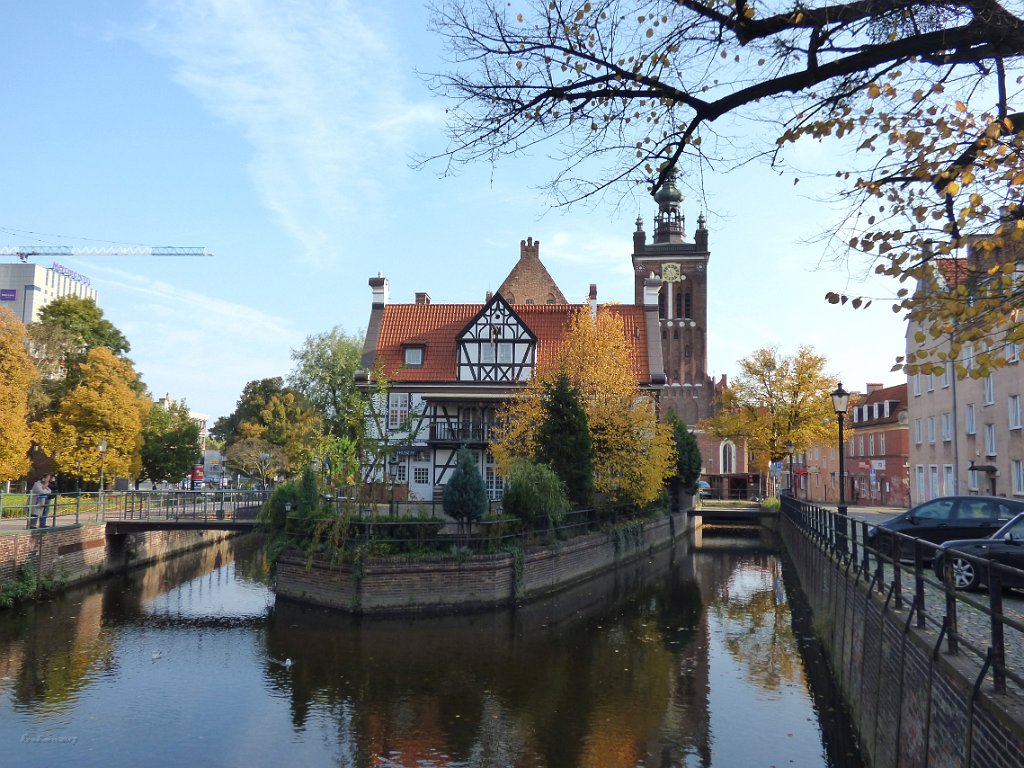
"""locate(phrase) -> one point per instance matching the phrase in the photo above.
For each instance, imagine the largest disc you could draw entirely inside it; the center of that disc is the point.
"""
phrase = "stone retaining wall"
(443, 583)
(910, 705)
(80, 552)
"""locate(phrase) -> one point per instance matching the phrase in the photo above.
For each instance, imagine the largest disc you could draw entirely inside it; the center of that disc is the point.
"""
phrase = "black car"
(1005, 546)
(948, 518)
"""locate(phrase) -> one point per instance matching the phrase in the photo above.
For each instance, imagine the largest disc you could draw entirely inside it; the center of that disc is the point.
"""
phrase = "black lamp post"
(840, 402)
(791, 449)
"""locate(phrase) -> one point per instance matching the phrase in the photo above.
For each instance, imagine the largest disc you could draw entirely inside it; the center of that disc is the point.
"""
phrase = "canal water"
(691, 658)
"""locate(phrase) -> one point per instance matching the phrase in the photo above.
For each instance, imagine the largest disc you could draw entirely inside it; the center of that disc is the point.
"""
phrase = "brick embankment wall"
(911, 707)
(81, 552)
(443, 584)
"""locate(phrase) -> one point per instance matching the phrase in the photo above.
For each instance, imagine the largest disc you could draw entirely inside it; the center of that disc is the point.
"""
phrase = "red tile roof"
(880, 395)
(436, 326)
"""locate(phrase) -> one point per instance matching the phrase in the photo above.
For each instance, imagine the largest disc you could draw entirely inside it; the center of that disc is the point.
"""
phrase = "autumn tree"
(256, 457)
(279, 415)
(324, 373)
(919, 104)
(102, 406)
(17, 375)
(633, 452)
(67, 330)
(170, 443)
(775, 400)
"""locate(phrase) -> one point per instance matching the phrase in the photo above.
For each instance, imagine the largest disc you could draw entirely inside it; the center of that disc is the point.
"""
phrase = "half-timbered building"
(449, 367)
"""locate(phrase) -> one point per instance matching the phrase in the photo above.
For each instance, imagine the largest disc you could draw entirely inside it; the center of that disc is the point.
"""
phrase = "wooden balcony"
(461, 433)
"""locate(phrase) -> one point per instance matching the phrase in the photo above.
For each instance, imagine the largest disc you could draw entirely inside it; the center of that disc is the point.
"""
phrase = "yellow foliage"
(17, 373)
(633, 451)
(102, 407)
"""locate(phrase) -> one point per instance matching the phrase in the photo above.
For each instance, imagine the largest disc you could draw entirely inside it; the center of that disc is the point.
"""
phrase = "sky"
(279, 135)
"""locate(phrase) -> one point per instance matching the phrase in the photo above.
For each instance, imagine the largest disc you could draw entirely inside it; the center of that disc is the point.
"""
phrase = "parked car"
(1005, 546)
(704, 489)
(948, 518)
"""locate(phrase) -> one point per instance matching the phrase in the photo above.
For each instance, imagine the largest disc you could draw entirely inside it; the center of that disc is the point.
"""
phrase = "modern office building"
(26, 288)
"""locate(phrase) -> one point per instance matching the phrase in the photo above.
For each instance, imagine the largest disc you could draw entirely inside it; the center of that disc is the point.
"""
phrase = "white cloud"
(192, 345)
(316, 88)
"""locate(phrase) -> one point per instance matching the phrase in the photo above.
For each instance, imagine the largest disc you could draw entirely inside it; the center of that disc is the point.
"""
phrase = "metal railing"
(899, 568)
(63, 509)
(443, 535)
(461, 432)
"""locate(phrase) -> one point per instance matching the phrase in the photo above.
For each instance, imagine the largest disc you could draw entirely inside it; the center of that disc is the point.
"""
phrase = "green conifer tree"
(465, 495)
(563, 440)
(688, 459)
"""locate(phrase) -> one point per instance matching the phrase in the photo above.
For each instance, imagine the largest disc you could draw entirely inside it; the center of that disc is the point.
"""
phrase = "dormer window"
(413, 357)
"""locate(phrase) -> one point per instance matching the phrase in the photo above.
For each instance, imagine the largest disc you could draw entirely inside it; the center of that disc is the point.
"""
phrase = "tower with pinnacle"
(682, 301)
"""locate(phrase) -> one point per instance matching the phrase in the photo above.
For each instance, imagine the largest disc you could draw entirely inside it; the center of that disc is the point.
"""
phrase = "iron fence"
(898, 567)
(19, 510)
(441, 534)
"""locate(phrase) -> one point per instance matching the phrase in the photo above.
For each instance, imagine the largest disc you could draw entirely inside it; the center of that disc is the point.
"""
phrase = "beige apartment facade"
(966, 435)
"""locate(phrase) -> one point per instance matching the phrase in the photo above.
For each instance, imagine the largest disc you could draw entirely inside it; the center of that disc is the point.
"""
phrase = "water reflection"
(688, 659)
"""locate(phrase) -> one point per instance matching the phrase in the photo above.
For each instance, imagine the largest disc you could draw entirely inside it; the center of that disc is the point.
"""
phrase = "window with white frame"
(919, 483)
(421, 475)
(1012, 352)
(967, 353)
(947, 479)
(972, 479)
(871, 445)
(931, 430)
(1013, 406)
(881, 443)
(947, 427)
(933, 481)
(931, 382)
(944, 380)
(970, 427)
(1017, 473)
(990, 390)
(916, 380)
(398, 409)
(413, 357)
(400, 472)
(917, 431)
(860, 445)
(990, 439)
(495, 482)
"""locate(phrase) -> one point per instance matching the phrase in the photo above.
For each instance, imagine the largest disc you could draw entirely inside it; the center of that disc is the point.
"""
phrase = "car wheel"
(965, 574)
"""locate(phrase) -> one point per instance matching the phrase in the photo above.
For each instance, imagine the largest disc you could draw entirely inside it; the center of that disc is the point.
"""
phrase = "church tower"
(682, 302)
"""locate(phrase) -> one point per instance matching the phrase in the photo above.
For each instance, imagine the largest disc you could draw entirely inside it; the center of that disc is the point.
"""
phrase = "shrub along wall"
(910, 705)
(449, 583)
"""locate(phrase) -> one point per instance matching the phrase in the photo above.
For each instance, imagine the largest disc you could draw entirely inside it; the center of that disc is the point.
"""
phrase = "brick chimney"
(529, 249)
(592, 300)
(422, 297)
(873, 387)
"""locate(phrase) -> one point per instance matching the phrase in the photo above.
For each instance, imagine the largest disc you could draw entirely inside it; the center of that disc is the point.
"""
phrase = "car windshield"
(1014, 529)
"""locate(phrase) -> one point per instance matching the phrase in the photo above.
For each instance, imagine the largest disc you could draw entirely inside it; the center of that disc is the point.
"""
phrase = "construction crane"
(25, 252)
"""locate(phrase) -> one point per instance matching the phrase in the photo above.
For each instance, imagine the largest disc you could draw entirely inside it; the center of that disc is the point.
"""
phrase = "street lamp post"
(840, 402)
(790, 449)
(102, 447)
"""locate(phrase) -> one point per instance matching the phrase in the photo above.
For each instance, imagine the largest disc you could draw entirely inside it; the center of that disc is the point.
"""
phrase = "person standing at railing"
(48, 499)
(38, 497)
